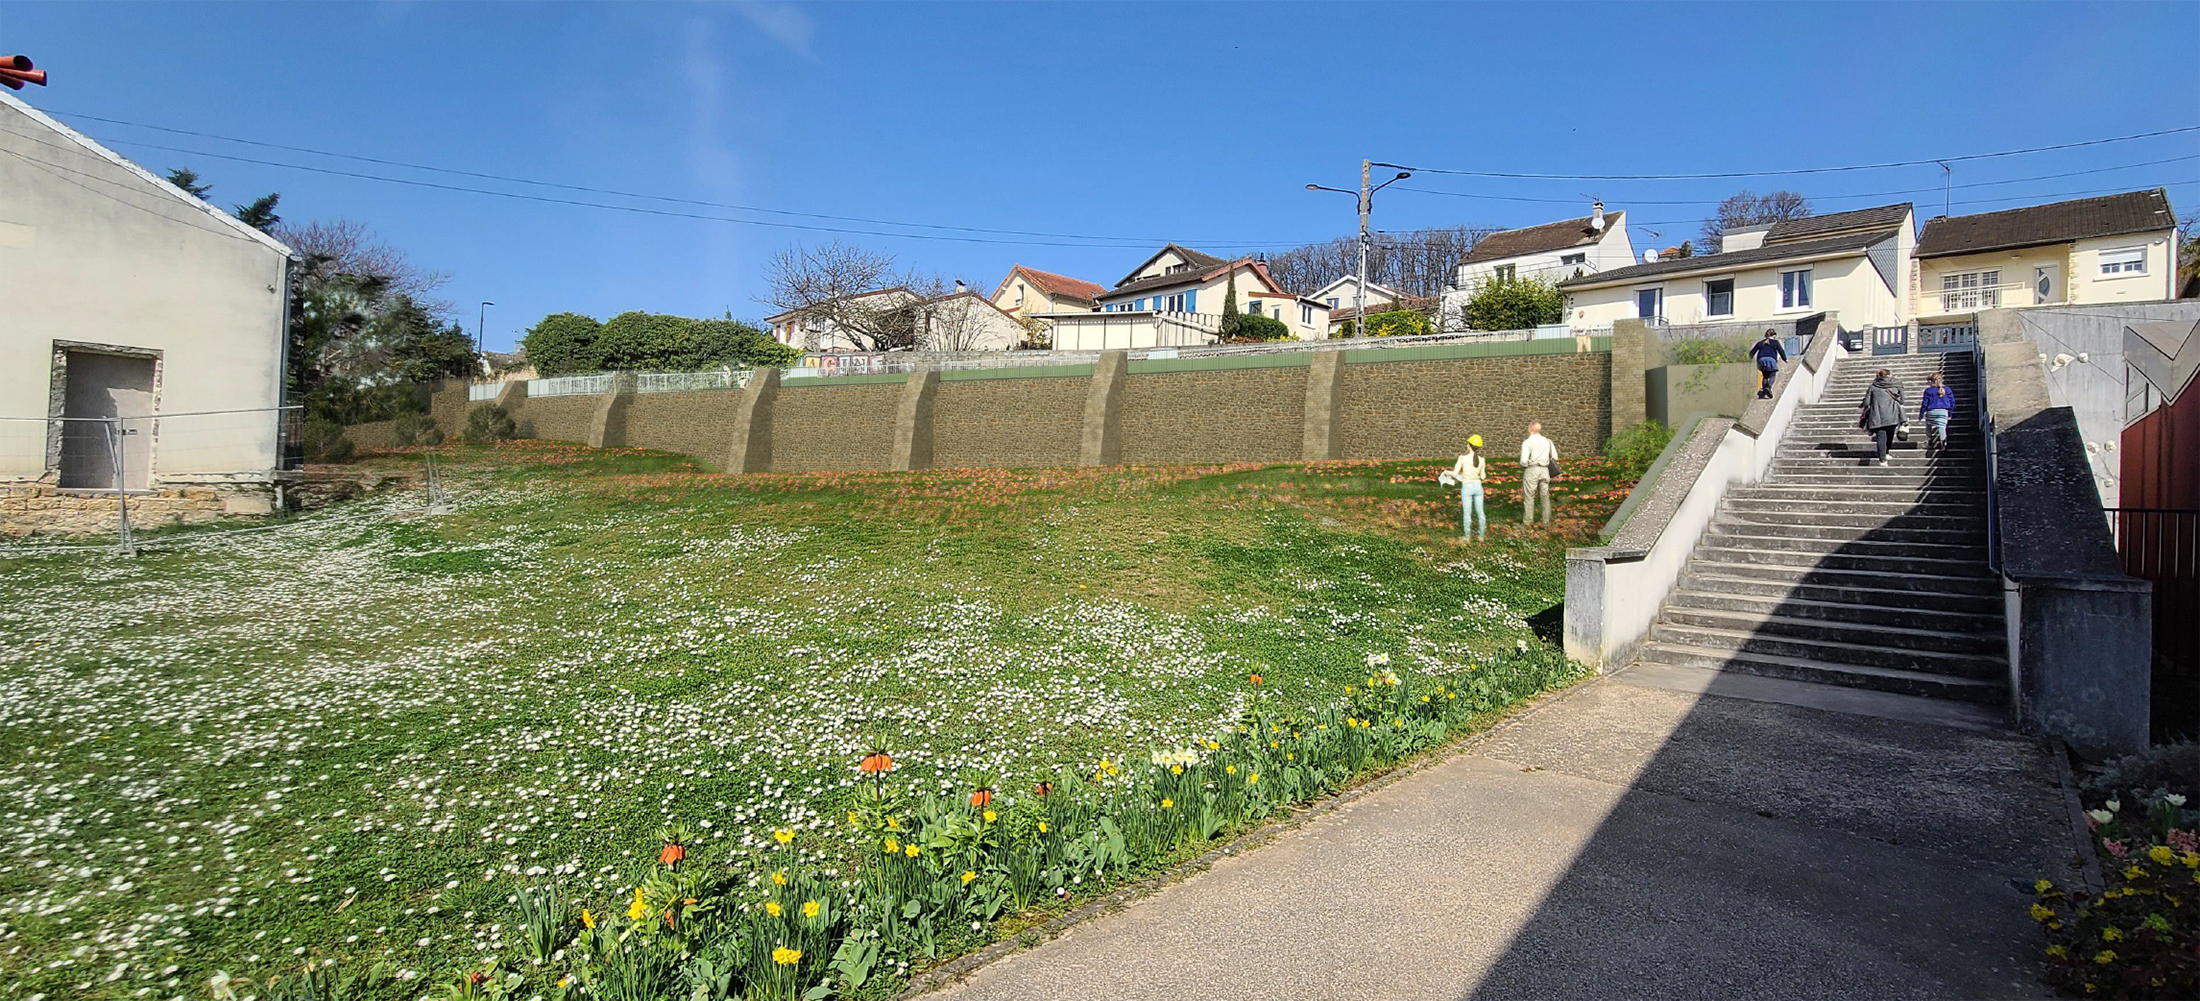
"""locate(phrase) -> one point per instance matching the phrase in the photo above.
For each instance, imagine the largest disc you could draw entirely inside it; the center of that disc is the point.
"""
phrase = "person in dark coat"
(1881, 412)
(1768, 354)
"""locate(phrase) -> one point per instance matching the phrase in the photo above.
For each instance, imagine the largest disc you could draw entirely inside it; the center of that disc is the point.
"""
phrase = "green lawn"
(360, 735)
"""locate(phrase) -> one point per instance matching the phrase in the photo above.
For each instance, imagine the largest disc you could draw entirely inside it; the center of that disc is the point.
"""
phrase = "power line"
(1629, 202)
(509, 179)
(1795, 170)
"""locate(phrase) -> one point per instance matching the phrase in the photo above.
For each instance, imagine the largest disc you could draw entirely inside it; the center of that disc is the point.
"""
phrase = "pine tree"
(188, 180)
(260, 215)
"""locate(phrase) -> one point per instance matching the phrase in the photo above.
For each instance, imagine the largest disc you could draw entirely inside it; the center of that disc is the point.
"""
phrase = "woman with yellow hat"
(1469, 472)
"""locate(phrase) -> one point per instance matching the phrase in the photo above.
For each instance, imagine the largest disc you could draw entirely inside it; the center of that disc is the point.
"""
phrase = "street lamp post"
(1366, 196)
(481, 318)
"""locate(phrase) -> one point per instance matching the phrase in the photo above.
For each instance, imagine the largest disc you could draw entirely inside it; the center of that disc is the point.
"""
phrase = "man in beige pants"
(1536, 455)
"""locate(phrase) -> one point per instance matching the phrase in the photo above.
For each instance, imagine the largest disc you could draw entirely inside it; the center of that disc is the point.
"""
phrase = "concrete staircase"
(1837, 572)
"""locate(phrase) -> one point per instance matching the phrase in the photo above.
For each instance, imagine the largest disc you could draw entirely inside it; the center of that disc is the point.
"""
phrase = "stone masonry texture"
(555, 418)
(698, 423)
(1230, 415)
(1007, 422)
(834, 427)
(1411, 409)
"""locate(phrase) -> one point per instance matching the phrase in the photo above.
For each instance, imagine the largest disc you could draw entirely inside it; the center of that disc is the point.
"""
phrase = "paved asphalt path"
(1656, 834)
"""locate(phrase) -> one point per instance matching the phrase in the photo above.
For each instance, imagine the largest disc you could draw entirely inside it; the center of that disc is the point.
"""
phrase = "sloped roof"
(1851, 243)
(1195, 259)
(1059, 286)
(1197, 275)
(1814, 226)
(2166, 354)
(1372, 287)
(1542, 239)
(2055, 222)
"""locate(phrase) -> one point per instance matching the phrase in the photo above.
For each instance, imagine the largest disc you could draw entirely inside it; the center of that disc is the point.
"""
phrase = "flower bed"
(2140, 937)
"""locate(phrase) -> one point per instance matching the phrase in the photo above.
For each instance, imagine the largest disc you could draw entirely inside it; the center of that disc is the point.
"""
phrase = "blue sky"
(1129, 123)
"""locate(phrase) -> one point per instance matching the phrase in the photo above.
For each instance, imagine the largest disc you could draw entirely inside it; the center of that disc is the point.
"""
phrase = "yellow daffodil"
(1167, 803)
(2111, 934)
(2162, 854)
(1252, 778)
(968, 876)
(2042, 886)
(779, 879)
(809, 910)
(771, 907)
(2105, 956)
(785, 956)
(1042, 827)
(854, 821)
(892, 846)
(638, 908)
(588, 920)
(783, 836)
(1229, 769)
(2041, 913)
(990, 816)
(909, 850)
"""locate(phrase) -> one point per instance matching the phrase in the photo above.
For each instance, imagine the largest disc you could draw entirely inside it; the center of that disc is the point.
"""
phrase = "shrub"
(488, 424)
(2140, 938)
(1399, 323)
(415, 429)
(2175, 767)
(1636, 447)
(1514, 304)
(1703, 351)
(563, 344)
(1254, 327)
(324, 441)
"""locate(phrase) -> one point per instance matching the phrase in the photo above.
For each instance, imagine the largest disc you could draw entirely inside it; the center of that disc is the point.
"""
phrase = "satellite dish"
(1649, 257)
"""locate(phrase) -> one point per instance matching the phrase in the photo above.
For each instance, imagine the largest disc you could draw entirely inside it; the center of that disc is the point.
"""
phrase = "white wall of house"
(1103, 331)
(1614, 250)
(2073, 271)
(1021, 297)
(1307, 319)
(968, 323)
(1339, 294)
(94, 250)
(1848, 284)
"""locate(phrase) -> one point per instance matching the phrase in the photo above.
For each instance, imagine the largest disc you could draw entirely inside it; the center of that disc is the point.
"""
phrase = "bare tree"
(952, 317)
(845, 293)
(343, 247)
(1747, 208)
(1415, 263)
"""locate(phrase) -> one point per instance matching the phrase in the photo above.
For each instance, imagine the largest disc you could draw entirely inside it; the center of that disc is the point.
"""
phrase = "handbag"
(1902, 430)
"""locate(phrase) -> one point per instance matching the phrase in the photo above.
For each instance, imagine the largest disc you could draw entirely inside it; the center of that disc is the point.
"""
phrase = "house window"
(1970, 290)
(1019, 295)
(1191, 300)
(1795, 289)
(1650, 304)
(1718, 297)
(2119, 263)
(1565, 259)
(1332, 302)
(1306, 314)
(1505, 272)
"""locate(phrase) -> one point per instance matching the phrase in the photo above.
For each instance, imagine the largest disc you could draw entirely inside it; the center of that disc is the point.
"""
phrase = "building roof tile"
(1815, 226)
(2055, 222)
(1542, 239)
(1059, 286)
(1754, 257)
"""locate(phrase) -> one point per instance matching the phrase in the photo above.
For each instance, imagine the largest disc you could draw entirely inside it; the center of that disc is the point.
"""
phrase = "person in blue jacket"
(1939, 401)
(1768, 354)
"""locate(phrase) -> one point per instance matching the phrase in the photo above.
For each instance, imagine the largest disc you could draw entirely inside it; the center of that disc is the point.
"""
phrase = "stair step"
(1802, 564)
(1968, 596)
(1925, 578)
(1967, 533)
(1865, 493)
(1833, 652)
(1748, 536)
(1846, 675)
(1895, 613)
(1942, 517)
(1840, 632)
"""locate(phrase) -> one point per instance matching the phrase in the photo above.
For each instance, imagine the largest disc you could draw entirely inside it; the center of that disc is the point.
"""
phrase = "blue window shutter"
(1191, 300)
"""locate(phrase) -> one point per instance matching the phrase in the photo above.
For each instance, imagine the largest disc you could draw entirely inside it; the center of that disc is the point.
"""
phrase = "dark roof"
(1814, 226)
(1847, 243)
(2166, 354)
(2055, 222)
(1542, 239)
(1059, 286)
(1203, 267)
(1196, 261)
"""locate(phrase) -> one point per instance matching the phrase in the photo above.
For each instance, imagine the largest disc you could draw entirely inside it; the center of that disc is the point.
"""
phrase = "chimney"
(1596, 217)
(960, 287)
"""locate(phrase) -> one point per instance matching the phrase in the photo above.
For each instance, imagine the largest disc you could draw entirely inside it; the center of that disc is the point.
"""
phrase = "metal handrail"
(1993, 459)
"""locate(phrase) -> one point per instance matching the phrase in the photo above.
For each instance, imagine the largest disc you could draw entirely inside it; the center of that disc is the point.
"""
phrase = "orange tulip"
(1043, 788)
(877, 762)
(1256, 679)
(672, 855)
(981, 798)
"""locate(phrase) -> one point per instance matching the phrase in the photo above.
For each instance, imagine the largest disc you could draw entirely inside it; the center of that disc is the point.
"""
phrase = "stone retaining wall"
(1367, 403)
(41, 508)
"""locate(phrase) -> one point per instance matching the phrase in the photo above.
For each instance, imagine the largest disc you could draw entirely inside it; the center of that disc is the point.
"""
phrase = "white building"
(1854, 262)
(2115, 248)
(1552, 252)
(962, 320)
(1175, 299)
(128, 298)
(1343, 294)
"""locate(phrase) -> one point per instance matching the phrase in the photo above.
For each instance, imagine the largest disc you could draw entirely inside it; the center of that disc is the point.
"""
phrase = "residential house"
(1423, 304)
(961, 320)
(1855, 262)
(1027, 291)
(1343, 294)
(2113, 248)
(1175, 299)
(130, 300)
(1552, 252)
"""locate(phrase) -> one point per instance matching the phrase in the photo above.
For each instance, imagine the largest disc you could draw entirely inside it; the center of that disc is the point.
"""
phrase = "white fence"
(483, 391)
(681, 382)
(569, 385)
